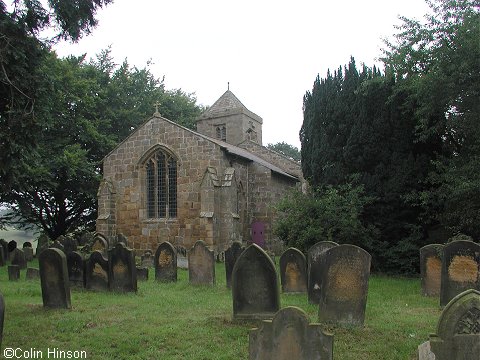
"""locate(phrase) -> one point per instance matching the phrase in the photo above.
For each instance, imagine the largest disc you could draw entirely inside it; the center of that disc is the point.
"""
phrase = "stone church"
(217, 184)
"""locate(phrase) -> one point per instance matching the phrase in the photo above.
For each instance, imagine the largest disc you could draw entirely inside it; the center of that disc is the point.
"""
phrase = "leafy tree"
(86, 109)
(286, 150)
(21, 58)
(437, 61)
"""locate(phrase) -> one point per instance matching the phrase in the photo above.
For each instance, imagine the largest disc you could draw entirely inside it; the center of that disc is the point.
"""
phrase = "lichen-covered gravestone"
(315, 269)
(13, 272)
(293, 271)
(255, 289)
(431, 269)
(18, 258)
(122, 269)
(289, 336)
(201, 265)
(460, 269)
(165, 262)
(96, 272)
(54, 279)
(458, 330)
(344, 285)
(76, 268)
(231, 256)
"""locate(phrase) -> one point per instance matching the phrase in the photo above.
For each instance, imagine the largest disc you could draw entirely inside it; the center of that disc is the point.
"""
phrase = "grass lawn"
(179, 321)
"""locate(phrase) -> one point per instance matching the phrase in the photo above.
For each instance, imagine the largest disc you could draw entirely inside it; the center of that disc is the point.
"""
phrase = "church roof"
(227, 104)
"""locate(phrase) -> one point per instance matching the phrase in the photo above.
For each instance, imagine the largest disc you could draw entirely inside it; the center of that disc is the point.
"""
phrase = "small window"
(221, 132)
(161, 186)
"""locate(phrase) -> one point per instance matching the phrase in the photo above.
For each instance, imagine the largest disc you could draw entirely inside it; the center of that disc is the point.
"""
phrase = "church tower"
(230, 121)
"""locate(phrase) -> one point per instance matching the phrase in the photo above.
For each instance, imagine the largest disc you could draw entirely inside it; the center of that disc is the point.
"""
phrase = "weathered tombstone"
(293, 271)
(344, 292)
(2, 317)
(12, 245)
(431, 269)
(42, 244)
(255, 288)
(18, 258)
(122, 271)
(54, 279)
(76, 269)
(231, 256)
(147, 259)
(4, 245)
(2, 257)
(100, 244)
(460, 269)
(96, 272)
(28, 251)
(165, 263)
(27, 244)
(13, 272)
(142, 273)
(458, 330)
(289, 336)
(424, 352)
(32, 274)
(201, 265)
(315, 269)
(69, 245)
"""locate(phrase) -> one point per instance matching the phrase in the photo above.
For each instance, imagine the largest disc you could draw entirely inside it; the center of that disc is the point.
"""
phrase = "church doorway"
(258, 233)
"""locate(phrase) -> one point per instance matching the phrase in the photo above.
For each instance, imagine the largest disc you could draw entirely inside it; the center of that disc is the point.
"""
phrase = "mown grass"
(179, 321)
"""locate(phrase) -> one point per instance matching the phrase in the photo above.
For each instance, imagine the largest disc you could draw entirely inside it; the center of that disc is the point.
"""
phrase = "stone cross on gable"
(156, 113)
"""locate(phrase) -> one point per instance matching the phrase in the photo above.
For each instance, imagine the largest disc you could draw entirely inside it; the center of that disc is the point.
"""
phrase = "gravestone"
(142, 273)
(100, 244)
(85, 238)
(460, 269)
(201, 265)
(76, 269)
(2, 317)
(147, 259)
(315, 269)
(27, 244)
(4, 245)
(122, 239)
(458, 330)
(122, 271)
(42, 244)
(69, 244)
(18, 258)
(13, 272)
(12, 245)
(96, 272)
(231, 256)
(424, 352)
(32, 274)
(58, 244)
(54, 279)
(165, 262)
(431, 269)
(293, 271)
(3, 261)
(28, 251)
(344, 285)
(289, 336)
(255, 288)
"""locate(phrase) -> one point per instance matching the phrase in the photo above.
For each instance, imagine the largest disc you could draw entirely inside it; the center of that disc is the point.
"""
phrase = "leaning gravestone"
(54, 279)
(458, 330)
(460, 269)
(165, 262)
(289, 336)
(201, 265)
(32, 274)
(315, 256)
(96, 272)
(18, 258)
(431, 269)
(13, 272)
(122, 271)
(231, 256)
(255, 288)
(293, 271)
(76, 269)
(345, 285)
(2, 317)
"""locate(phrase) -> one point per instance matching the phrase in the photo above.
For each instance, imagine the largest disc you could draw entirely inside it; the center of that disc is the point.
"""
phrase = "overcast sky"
(269, 51)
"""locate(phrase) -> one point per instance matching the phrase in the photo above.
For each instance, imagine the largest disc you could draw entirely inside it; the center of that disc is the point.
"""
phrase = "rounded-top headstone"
(293, 271)
(54, 279)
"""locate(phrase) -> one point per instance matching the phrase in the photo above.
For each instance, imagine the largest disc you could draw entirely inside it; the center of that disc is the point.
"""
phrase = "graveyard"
(178, 320)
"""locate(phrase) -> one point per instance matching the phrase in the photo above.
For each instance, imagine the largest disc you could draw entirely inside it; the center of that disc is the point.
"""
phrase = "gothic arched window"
(161, 186)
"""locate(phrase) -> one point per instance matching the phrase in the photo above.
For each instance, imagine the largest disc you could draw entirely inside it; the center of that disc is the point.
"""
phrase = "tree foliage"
(289, 151)
(86, 108)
